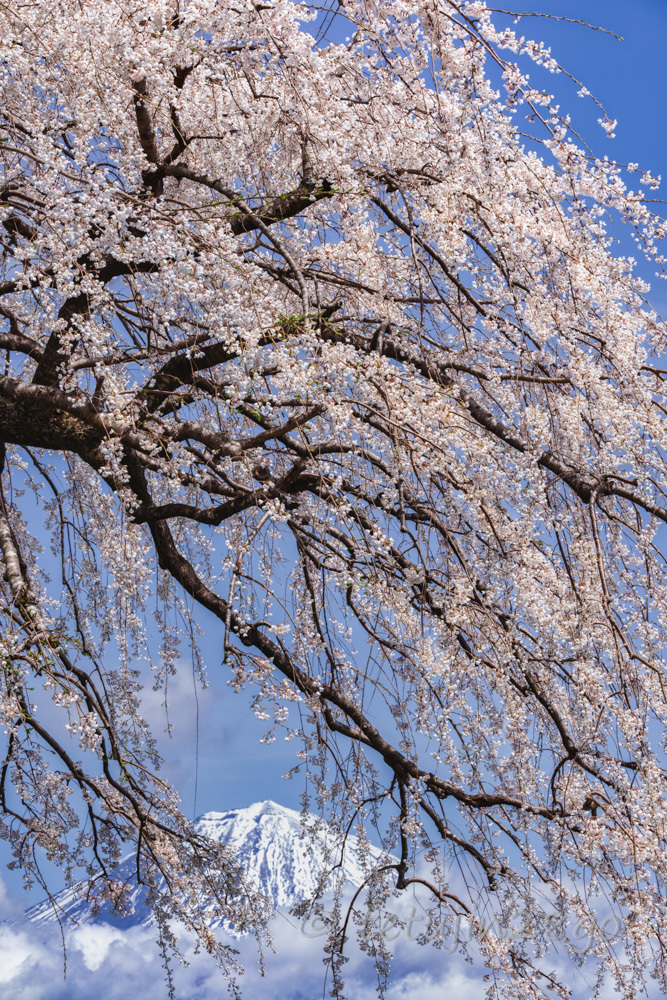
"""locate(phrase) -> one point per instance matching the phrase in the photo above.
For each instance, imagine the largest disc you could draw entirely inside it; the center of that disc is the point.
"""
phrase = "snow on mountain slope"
(268, 841)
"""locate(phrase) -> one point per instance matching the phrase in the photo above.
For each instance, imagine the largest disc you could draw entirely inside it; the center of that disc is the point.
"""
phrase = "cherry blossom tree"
(323, 341)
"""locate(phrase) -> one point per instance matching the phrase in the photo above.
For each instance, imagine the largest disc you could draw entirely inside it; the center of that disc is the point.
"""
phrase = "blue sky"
(629, 77)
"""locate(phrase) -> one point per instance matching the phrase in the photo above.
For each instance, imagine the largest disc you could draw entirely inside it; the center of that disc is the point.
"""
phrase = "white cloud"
(26, 965)
(105, 962)
(94, 941)
(109, 964)
(9, 907)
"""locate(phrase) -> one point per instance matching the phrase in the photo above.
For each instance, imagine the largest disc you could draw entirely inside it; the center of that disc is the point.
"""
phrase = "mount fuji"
(282, 861)
(284, 853)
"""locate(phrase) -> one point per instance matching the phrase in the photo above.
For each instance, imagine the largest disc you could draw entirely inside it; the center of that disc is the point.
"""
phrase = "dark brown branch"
(282, 207)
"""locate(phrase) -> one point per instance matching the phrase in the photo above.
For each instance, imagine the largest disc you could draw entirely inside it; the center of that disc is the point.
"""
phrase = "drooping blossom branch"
(305, 339)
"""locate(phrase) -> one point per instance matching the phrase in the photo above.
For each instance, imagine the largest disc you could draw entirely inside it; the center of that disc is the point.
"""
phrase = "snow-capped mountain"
(269, 842)
(282, 861)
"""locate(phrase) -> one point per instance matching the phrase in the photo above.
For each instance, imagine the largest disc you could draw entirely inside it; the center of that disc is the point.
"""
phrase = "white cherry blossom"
(308, 340)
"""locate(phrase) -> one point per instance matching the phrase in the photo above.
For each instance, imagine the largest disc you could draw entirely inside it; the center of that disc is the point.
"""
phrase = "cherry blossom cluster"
(317, 341)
